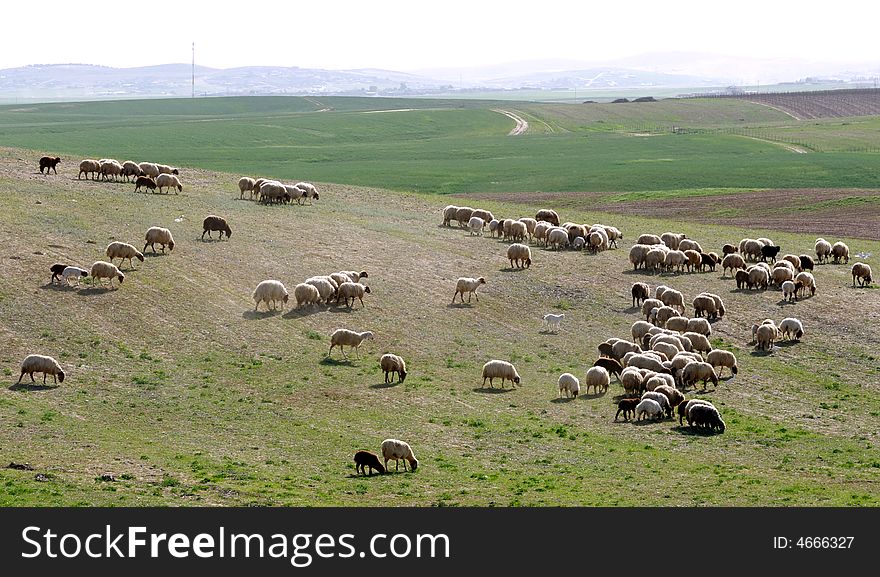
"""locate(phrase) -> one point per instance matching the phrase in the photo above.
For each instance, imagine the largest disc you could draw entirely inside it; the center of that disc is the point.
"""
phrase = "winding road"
(521, 124)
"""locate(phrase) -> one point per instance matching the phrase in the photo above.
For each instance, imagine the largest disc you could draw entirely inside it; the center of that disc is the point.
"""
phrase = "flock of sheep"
(270, 191)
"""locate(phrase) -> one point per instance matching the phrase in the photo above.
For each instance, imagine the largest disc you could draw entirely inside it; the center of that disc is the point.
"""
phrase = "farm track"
(522, 124)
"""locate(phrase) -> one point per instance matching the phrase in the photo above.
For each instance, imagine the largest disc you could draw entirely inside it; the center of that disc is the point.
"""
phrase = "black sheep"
(213, 222)
(48, 162)
(769, 251)
(640, 291)
(364, 459)
(57, 269)
(613, 366)
(144, 181)
(807, 262)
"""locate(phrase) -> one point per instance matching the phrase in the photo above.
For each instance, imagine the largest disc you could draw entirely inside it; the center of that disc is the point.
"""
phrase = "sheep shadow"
(95, 290)
(330, 361)
(513, 269)
(340, 309)
(368, 476)
(695, 431)
(591, 396)
(786, 344)
(759, 353)
(548, 332)
(301, 312)
(786, 302)
(155, 254)
(53, 286)
(648, 421)
(251, 314)
(562, 400)
(631, 309)
(459, 305)
(385, 385)
(492, 390)
(209, 240)
(33, 387)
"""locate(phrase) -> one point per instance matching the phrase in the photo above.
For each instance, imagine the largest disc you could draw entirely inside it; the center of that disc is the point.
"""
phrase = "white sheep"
(326, 287)
(671, 239)
(89, 166)
(650, 239)
(698, 371)
(649, 408)
(345, 337)
(129, 169)
(306, 294)
(805, 280)
(270, 290)
(393, 364)
(41, 364)
(397, 450)
(699, 325)
(765, 335)
(245, 184)
(352, 290)
(823, 249)
(569, 385)
(862, 272)
(597, 377)
(73, 272)
(475, 225)
(101, 270)
(468, 285)
(557, 237)
(791, 328)
(789, 291)
(449, 214)
(149, 169)
(310, 191)
(840, 251)
(637, 255)
(552, 321)
(661, 399)
(520, 255)
(722, 358)
(689, 244)
(165, 180)
(110, 167)
(122, 251)
(165, 169)
(158, 235)
(732, 261)
(354, 275)
(495, 369)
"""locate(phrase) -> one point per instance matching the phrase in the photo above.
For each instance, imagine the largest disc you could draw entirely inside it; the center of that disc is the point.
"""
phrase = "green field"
(185, 396)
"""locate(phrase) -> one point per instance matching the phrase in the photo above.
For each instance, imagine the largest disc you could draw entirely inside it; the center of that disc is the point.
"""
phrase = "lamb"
(352, 290)
(499, 369)
(686, 406)
(823, 249)
(569, 385)
(548, 216)
(649, 408)
(698, 371)
(73, 272)
(661, 399)
(722, 358)
(48, 162)
(708, 260)
(270, 290)
(597, 377)
(578, 243)
(310, 191)
(306, 294)
(791, 327)
(520, 255)
(101, 270)
(392, 364)
(789, 291)
(705, 416)
(626, 406)
(149, 169)
(475, 225)
(840, 251)
(468, 285)
(397, 450)
(805, 280)
(245, 184)
(168, 181)
(862, 273)
(493, 227)
(449, 214)
(640, 291)
(41, 364)
(213, 222)
(129, 169)
(552, 321)
(364, 459)
(144, 181)
(56, 270)
(87, 167)
(122, 251)
(612, 366)
(345, 337)
(158, 235)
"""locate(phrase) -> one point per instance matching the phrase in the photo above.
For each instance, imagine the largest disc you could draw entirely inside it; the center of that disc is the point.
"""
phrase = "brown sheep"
(626, 406)
(213, 222)
(548, 216)
(144, 181)
(640, 292)
(48, 162)
(364, 459)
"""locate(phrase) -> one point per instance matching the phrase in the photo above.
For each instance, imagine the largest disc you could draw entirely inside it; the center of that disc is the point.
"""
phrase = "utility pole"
(194, 71)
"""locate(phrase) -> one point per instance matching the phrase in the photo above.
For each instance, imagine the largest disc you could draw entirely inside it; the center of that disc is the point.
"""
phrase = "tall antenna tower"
(194, 71)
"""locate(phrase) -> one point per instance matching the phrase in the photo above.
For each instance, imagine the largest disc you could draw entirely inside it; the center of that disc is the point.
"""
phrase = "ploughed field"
(177, 393)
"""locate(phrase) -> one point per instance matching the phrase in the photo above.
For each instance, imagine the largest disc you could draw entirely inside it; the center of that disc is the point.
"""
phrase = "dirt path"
(521, 124)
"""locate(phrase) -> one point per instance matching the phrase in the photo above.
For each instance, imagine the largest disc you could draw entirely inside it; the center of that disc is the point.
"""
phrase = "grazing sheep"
(110, 167)
(729, 249)
(769, 251)
(862, 272)
(158, 235)
(499, 369)
(676, 261)
(789, 290)
(552, 321)
(705, 304)
(639, 329)
(710, 260)
(807, 262)
(698, 371)
(705, 416)
(742, 279)
(129, 169)
(840, 251)
(673, 395)
(165, 169)
(364, 459)
(144, 181)
(626, 406)
(548, 216)
(397, 450)
(270, 290)
(695, 259)
(101, 270)
(649, 239)
(467, 285)
(823, 250)
(805, 280)
(791, 328)
(759, 277)
(690, 244)
(611, 366)
(722, 358)
(569, 385)
(168, 181)
(781, 274)
(494, 227)
(352, 290)
(597, 377)
(393, 364)
(245, 184)
(671, 239)
(149, 169)
(631, 378)
(520, 255)
(56, 270)
(122, 251)
(655, 259)
(648, 305)
(475, 226)
(463, 215)
(484, 214)
(661, 399)
(765, 335)
(530, 223)
(621, 347)
(48, 162)
(686, 406)
(733, 262)
(354, 275)
(699, 342)
(87, 167)
(271, 192)
(637, 255)
(578, 243)
(306, 294)
(310, 191)
(449, 214)
(41, 364)
(517, 231)
(640, 291)
(557, 237)
(213, 222)
(325, 286)
(345, 337)
(649, 408)
(73, 272)
(673, 298)
(793, 259)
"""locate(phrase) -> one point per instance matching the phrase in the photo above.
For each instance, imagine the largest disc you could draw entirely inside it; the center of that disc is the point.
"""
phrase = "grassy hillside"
(187, 397)
(442, 146)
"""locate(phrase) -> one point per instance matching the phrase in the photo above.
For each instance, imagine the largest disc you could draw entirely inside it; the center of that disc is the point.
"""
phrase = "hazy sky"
(413, 35)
